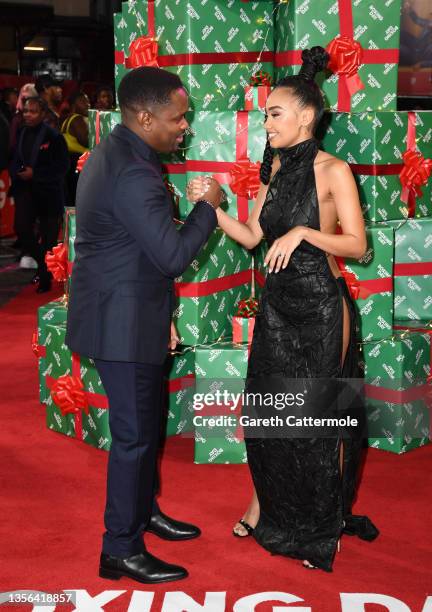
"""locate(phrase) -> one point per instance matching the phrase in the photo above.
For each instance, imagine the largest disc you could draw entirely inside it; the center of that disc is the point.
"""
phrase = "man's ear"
(145, 120)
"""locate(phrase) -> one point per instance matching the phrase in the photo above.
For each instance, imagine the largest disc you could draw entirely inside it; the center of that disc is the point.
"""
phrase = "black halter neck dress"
(305, 499)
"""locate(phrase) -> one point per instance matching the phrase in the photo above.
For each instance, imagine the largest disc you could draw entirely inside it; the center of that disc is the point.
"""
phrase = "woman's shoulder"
(330, 164)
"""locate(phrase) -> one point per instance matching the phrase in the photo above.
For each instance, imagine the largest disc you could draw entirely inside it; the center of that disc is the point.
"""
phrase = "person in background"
(27, 91)
(39, 164)
(8, 102)
(104, 98)
(4, 142)
(76, 133)
(50, 91)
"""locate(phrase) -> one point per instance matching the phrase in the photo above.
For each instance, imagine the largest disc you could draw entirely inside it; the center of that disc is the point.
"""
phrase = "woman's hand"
(174, 339)
(279, 253)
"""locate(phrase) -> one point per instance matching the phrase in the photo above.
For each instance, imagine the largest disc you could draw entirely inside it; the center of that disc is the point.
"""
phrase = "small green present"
(363, 42)
(413, 269)
(375, 145)
(371, 284)
(215, 48)
(398, 428)
(218, 437)
(396, 389)
(52, 313)
(180, 390)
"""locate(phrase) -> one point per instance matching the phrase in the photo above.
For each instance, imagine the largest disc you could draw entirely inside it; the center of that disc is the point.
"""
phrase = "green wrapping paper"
(373, 272)
(413, 269)
(222, 366)
(180, 390)
(92, 428)
(215, 48)
(230, 146)
(396, 374)
(210, 289)
(373, 144)
(301, 24)
(52, 313)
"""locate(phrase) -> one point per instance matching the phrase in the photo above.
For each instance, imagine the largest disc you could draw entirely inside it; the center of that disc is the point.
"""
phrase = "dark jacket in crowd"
(44, 150)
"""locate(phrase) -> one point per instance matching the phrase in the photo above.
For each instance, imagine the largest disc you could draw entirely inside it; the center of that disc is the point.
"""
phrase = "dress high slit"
(305, 486)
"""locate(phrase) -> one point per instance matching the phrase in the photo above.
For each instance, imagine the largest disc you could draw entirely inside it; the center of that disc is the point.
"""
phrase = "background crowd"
(42, 136)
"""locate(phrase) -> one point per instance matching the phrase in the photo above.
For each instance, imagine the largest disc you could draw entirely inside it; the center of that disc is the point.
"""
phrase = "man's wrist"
(207, 202)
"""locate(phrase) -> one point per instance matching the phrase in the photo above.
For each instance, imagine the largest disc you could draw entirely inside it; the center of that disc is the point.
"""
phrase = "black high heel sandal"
(248, 528)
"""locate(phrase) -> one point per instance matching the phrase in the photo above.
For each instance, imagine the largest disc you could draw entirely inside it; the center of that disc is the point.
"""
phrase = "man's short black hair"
(39, 101)
(147, 86)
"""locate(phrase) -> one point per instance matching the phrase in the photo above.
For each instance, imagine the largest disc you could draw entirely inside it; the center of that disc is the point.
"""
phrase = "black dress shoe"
(143, 567)
(169, 529)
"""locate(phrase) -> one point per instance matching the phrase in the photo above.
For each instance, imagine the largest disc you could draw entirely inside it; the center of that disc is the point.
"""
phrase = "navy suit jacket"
(128, 251)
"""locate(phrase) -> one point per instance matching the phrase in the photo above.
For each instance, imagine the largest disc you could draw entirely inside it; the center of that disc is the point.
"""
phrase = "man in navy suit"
(128, 252)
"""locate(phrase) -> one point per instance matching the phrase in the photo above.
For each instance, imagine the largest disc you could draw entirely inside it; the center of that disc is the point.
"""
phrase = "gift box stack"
(228, 54)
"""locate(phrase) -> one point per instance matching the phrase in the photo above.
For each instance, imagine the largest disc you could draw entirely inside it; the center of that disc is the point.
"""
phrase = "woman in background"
(76, 133)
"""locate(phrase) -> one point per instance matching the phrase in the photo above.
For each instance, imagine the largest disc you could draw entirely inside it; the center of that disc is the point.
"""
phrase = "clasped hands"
(207, 188)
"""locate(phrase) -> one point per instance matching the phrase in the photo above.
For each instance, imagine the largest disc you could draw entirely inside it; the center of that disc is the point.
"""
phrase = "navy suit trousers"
(135, 392)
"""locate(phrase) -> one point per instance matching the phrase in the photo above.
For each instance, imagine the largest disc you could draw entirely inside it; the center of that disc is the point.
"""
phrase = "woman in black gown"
(304, 487)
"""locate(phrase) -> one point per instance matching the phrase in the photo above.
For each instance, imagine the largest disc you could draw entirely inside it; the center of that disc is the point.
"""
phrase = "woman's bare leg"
(251, 516)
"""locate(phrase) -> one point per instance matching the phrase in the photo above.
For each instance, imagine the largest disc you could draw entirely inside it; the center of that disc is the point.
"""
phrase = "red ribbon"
(256, 95)
(38, 349)
(247, 308)
(177, 384)
(69, 395)
(82, 160)
(57, 262)
(238, 324)
(421, 268)
(259, 278)
(215, 285)
(245, 178)
(345, 60)
(362, 289)
(143, 51)
(261, 78)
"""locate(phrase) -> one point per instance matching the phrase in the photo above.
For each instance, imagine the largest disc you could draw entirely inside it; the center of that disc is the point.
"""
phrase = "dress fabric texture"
(305, 499)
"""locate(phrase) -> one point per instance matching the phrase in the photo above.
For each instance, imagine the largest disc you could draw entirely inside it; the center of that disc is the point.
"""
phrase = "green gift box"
(228, 145)
(364, 48)
(223, 367)
(52, 313)
(413, 269)
(398, 427)
(372, 287)
(374, 144)
(89, 424)
(396, 390)
(210, 289)
(214, 47)
(180, 391)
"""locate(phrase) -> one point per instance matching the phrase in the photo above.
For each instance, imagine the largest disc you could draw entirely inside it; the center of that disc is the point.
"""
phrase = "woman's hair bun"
(313, 61)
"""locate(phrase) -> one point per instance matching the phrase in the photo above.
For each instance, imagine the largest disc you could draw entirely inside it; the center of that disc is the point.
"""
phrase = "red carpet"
(52, 491)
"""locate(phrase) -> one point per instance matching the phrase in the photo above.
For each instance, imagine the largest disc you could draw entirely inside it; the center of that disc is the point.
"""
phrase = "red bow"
(57, 262)
(345, 60)
(245, 178)
(247, 308)
(352, 283)
(69, 395)
(143, 51)
(261, 78)
(414, 174)
(82, 160)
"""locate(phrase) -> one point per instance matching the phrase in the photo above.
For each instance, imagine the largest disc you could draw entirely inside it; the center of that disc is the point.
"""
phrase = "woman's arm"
(351, 243)
(248, 234)
(80, 130)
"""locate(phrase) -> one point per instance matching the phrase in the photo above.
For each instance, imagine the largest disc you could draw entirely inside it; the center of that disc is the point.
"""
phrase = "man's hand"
(279, 253)
(26, 174)
(174, 339)
(205, 187)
